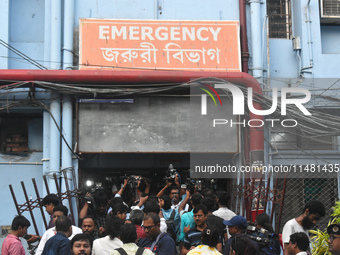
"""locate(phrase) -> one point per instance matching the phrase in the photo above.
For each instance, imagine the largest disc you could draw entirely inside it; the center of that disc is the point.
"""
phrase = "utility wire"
(24, 56)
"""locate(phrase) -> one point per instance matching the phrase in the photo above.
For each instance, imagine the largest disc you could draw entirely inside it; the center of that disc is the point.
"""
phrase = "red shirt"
(12, 246)
(140, 232)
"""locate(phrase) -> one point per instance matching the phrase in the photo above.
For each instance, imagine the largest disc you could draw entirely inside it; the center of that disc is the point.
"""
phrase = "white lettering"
(163, 36)
(219, 122)
(297, 101)
(120, 32)
(199, 34)
(190, 34)
(146, 32)
(103, 30)
(132, 32)
(175, 31)
(215, 33)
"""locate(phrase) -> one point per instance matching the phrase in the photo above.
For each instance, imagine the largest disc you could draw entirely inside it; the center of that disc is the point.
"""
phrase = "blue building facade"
(291, 44)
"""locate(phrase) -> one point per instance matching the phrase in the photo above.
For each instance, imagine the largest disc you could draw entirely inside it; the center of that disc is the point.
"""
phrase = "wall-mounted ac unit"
(330, 11)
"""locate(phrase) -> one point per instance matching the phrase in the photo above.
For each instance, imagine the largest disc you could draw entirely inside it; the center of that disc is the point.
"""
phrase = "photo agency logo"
(238, 102)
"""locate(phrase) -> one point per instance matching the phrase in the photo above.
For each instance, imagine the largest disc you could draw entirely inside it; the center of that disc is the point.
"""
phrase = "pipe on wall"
(255, 17)
(66, 153)
(243, 35)
(54, 141)
(256, 135)
(68, 34)
(56, 34)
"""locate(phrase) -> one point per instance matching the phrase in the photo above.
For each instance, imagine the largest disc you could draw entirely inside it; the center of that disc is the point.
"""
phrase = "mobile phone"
(27, 237)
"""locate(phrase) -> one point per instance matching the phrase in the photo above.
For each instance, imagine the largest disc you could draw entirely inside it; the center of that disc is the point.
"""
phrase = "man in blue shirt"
(157, 242)
(59, 244)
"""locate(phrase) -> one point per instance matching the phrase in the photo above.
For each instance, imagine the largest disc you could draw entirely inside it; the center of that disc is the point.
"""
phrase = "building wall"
(26, 25)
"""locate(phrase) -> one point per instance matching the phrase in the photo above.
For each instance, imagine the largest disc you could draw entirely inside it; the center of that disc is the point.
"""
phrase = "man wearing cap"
(312, 212)
(333, 241)
(237, 225)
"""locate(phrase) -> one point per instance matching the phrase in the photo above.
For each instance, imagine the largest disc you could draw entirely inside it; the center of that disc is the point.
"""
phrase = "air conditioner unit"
(330, 11)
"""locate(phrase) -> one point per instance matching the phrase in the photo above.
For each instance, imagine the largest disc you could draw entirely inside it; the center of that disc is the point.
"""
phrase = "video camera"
(260, 235)
(170, 174)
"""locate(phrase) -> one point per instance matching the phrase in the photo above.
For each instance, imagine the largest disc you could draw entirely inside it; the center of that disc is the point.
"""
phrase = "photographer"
(96, 206)
(271, 244)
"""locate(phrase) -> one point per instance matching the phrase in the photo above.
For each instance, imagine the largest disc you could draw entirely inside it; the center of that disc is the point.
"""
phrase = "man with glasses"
(334, 238)
(158, 242)
(193, 236)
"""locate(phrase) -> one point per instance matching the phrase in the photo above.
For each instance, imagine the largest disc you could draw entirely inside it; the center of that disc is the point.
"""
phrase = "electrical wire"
(24, 56)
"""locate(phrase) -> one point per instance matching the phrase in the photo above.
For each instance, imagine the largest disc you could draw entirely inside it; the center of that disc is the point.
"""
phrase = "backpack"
(170, 223)
(123, 252)
(273, 247)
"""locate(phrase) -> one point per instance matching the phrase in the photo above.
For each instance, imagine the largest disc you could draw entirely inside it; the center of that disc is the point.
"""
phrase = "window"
(294, 139)
(280, 19)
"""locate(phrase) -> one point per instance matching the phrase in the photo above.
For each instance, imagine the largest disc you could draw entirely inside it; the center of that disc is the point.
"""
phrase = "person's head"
(263, 221)
(209, 236)
(64, 224)
(298, 242)
(223, 198)
(167, 202)
(81, 244)
(174, 194)
(209, 202)
(151, 225)
(206, 192)
(151, 206)
(88, 225)
(58, 211)
(195, 199)
(49, 202)
(200, 215)
(116, 200)
(113, 225)
(334, 238)
(136, 217)
(243, 245)
(120, 211)
(313, 211)
(128, 233)
(236, 225)
(20, 225)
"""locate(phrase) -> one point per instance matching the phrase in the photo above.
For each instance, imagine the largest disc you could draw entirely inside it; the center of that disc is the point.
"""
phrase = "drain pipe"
(66, 153)
(255, 17)
(54, 141)
(68, 34)
(46, 144)
(56, 34)
(310, 43)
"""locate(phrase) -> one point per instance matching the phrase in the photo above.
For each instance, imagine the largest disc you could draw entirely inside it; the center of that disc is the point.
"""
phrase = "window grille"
(280, 19)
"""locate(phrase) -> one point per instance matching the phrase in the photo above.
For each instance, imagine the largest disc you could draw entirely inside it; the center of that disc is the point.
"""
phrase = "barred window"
(280, 18)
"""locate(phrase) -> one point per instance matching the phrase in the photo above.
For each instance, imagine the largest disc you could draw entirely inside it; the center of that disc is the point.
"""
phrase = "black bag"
(171, 225)
(123, 252)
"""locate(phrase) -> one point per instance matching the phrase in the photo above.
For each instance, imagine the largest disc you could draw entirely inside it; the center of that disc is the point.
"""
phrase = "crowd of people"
(173, 221)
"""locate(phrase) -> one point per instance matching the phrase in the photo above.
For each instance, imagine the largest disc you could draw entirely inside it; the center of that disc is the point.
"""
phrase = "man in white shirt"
(58, 211)
(313, 211)
(107, 244)
(298, 244)
(223, 211)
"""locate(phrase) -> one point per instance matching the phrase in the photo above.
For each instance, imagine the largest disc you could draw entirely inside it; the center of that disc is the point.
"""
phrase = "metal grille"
(280, 20)
(300, 191)
(330, 7)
